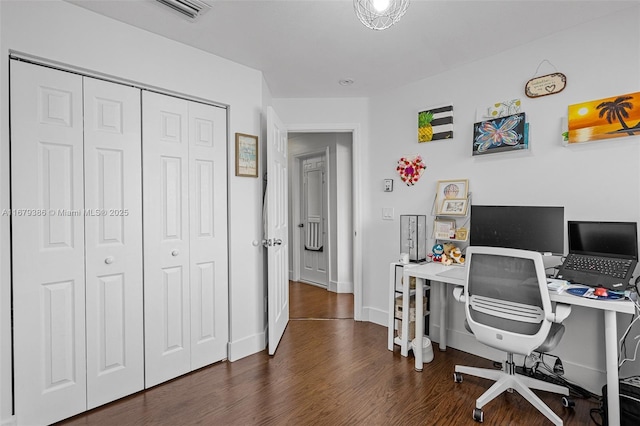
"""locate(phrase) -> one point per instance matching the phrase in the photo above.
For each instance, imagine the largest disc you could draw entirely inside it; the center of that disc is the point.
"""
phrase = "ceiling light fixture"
(380, 14)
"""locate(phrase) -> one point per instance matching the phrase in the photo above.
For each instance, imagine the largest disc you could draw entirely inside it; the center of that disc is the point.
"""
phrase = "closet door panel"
(166, 237)
(208, 239)
(47, 243)
(113, 228)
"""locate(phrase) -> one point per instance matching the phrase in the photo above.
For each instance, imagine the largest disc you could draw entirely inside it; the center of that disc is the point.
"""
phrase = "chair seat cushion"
(553, 338)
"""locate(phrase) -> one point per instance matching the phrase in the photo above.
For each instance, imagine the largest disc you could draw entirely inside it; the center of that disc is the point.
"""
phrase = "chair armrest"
(458, 294)
(560, 313)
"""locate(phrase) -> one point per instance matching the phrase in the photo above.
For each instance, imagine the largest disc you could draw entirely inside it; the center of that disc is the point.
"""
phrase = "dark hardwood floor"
(327, 372)
(307, 301)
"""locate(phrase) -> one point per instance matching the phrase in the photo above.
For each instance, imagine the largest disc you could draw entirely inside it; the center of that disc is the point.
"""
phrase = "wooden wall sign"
(545, 85)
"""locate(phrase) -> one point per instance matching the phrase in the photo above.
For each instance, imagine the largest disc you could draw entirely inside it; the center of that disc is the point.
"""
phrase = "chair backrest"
(507, 301)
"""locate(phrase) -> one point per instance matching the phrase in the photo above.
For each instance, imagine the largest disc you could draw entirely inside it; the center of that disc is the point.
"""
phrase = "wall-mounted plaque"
(545, 85)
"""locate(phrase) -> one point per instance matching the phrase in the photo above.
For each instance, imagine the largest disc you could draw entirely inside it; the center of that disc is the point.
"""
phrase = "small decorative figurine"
(438, 250)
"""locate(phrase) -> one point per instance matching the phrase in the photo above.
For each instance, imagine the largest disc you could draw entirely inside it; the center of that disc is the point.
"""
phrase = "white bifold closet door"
(77, 256)
(185, 236)
(113, 241)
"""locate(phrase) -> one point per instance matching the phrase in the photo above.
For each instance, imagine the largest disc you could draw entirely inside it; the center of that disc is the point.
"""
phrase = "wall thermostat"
(388, 185)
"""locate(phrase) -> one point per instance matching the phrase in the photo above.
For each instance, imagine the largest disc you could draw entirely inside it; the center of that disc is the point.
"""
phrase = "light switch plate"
(387, 213)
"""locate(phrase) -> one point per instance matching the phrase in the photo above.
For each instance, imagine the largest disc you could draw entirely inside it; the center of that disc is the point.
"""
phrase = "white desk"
(430, 271)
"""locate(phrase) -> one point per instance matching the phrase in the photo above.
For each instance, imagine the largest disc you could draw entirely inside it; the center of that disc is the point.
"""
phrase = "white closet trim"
(25, 57)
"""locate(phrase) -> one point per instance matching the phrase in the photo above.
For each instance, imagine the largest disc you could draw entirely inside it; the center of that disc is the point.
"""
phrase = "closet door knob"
(175, 252)
(109, 260)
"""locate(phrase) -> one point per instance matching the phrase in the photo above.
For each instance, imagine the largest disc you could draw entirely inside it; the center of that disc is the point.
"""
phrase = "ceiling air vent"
(190, 8)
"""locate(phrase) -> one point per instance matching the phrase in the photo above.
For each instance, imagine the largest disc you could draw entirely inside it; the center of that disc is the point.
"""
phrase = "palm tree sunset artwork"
(606, 118)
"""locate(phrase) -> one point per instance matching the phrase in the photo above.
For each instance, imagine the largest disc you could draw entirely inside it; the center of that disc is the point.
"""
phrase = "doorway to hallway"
(321, 209)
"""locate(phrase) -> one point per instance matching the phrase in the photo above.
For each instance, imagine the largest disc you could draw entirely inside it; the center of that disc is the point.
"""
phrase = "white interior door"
(208, 229)
(166, 237)
(277, 229)
(113, 239)
(314, 212)
(47, 244)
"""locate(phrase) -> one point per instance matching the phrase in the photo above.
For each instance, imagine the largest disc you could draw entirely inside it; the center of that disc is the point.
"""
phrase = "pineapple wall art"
(435, 124)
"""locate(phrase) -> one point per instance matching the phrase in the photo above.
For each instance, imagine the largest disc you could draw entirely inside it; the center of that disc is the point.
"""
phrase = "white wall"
(343, 221)
(596, 181)
(593, 181)
(65, 33)
(5, 289)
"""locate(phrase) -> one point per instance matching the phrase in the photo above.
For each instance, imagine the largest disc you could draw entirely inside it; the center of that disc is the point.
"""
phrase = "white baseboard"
(338, 287)
(247, 346)
(11, 421)
(375, 316)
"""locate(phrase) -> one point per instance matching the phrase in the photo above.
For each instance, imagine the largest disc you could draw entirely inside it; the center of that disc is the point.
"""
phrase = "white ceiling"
(305, 47)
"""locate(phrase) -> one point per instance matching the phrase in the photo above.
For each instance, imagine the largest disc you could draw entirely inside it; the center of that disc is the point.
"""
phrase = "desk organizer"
(413, 237)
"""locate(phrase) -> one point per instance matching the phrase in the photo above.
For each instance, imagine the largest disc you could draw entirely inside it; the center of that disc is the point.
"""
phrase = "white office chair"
(507, 307)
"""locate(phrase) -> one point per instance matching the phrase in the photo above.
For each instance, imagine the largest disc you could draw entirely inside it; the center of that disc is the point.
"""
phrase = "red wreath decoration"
(410, 169)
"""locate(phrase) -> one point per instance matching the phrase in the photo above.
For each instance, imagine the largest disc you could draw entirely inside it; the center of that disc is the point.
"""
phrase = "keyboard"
(616, 268)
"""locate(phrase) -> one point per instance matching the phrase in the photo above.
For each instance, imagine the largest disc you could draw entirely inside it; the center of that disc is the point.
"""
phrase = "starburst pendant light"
(380, 14)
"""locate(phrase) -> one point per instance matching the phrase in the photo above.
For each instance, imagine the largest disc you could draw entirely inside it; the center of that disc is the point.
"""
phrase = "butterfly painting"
(500, 135)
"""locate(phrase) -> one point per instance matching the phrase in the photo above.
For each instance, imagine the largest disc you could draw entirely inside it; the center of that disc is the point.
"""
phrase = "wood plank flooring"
(309, 301)
(327, 372)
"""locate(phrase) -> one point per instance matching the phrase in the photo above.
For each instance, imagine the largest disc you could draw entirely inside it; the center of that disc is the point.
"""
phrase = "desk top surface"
(433, 271)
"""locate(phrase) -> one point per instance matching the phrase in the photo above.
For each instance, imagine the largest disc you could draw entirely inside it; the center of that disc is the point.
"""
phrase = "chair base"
(522, 384)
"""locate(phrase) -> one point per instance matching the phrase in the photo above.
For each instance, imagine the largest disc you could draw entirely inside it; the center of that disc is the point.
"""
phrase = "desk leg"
(443, 316)
(419, 322)
(611, 358)
(405, 341)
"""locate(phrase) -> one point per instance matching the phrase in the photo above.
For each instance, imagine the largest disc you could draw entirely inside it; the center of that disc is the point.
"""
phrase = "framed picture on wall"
(503, 134)
(246, 155)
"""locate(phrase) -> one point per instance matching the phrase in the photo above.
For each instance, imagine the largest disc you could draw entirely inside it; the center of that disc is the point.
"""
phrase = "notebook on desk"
(601, 254)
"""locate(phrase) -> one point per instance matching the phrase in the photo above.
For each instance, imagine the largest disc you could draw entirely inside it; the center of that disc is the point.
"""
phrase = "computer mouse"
(601, 292)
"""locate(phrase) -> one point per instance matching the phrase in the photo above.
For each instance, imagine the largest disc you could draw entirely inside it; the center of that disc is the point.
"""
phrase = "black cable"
(552, 377)
(623, 346)
(600, 412)
(555, 268)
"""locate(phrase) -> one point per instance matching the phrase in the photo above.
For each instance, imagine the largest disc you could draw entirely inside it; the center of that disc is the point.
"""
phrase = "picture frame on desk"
(454, 188)
(444, 229)
(462, 234)
(454, 206)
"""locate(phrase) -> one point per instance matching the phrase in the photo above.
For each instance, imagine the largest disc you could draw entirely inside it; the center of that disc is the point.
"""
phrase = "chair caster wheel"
(567, 402)
(457, 377)
(478, 415)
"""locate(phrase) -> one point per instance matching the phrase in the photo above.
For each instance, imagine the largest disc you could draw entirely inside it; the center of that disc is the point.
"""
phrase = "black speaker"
(629, 402)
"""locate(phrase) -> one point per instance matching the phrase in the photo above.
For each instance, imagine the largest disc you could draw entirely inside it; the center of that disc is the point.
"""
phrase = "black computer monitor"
(536, 228)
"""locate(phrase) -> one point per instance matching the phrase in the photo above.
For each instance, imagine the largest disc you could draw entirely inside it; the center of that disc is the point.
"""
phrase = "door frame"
(296, 211)
(356, 149)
